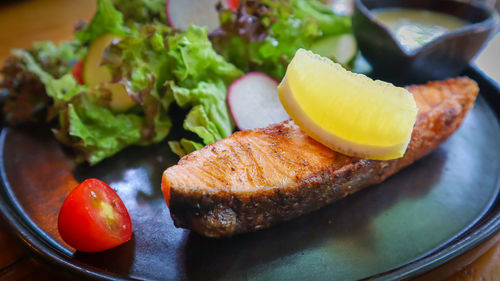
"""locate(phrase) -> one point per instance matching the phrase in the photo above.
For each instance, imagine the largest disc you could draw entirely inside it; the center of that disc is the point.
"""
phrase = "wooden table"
(22, 22)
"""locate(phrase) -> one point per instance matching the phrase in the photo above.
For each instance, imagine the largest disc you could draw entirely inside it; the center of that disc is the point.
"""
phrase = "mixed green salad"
(118, 82)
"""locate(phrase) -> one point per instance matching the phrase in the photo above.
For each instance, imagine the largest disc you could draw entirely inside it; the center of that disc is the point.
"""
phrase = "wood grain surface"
(23, 22)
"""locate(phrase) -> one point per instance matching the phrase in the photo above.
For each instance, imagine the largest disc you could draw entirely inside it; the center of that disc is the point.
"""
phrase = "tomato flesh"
(233, 4)
(93, 218)
(77, 71)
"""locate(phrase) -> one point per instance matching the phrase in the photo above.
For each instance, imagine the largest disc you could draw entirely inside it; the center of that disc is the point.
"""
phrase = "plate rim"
(485, 226)
(482, 229)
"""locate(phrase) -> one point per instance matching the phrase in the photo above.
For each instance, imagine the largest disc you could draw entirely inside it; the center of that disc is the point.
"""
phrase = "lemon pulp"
(350, 113)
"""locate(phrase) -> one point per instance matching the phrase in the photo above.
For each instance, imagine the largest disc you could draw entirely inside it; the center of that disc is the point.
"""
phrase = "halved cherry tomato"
(77, 71)
(233, 4)
(93, 218)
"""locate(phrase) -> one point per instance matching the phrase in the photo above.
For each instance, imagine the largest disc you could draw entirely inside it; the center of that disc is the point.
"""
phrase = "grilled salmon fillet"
(257, 178)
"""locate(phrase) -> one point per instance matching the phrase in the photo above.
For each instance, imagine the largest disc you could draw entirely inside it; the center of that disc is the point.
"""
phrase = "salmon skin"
(257, 178)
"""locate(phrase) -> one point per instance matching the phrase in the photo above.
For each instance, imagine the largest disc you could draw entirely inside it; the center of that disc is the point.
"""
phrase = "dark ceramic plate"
(429, 213)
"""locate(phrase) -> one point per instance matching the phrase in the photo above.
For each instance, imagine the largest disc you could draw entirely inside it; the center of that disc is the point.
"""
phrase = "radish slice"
(254, 102)
(182, 13)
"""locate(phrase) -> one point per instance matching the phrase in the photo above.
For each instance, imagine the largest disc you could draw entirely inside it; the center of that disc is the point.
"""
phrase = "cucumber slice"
(95, 74)
(340, 48)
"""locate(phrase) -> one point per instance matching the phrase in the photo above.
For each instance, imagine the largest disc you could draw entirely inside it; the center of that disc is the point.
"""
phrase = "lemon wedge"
(347, 112)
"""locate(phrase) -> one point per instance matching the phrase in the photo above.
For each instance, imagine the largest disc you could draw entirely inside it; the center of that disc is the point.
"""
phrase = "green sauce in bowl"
(413, 28)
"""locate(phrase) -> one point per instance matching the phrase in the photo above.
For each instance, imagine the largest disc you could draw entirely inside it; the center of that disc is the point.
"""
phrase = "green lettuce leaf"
(88, 123)
(139, 61)
(263, 35)
(165, 66)
(200, 79)
(63, 55)
(184, 146)
(328, 22)
(209, 116)
(159, 66)
(141, 11)
(106, 20)
(60, 89)
(32, 77)
(198, 122)
(98, 133)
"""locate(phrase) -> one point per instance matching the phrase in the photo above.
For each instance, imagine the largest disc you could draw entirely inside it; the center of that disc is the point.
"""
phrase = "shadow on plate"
(119, 259)
(350, 218)
(152, 160)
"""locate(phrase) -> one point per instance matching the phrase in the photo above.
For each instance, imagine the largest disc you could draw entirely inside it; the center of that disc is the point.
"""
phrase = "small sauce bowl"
(446, 56)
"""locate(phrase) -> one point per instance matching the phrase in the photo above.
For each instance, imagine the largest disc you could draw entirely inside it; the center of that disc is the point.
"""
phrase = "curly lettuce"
(263, 35)
(158, 68)
(88, 123)
(141, 11)
(107, 19)
(200, 78)
(31, 78)
(180, 68)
